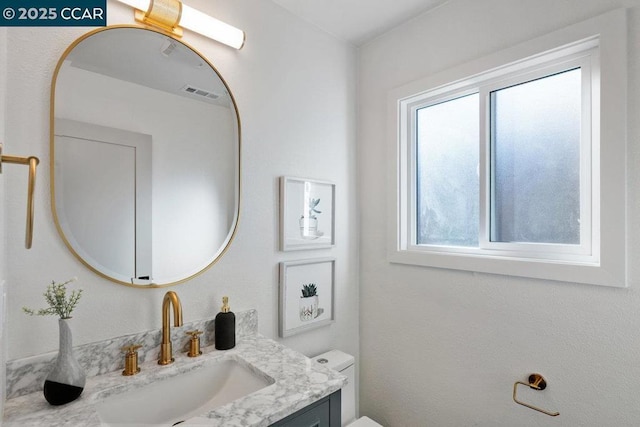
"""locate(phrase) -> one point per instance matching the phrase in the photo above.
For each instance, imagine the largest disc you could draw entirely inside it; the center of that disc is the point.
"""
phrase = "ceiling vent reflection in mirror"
(200, 92)
(171, 15)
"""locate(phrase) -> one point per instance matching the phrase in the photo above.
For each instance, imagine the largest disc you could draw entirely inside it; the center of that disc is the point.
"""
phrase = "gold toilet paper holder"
(536, 382)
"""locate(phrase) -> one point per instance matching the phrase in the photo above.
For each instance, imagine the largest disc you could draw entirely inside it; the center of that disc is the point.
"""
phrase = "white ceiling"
(357, 21)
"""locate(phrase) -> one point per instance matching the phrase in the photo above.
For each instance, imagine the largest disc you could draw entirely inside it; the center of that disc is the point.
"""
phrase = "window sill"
(607, 273)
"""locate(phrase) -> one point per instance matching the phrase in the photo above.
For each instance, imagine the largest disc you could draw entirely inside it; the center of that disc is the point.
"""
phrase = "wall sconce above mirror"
(145, 157)
(170, 15)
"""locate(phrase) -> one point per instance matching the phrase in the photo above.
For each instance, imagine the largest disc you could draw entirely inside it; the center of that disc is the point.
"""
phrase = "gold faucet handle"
(194, 345)
(131, 360)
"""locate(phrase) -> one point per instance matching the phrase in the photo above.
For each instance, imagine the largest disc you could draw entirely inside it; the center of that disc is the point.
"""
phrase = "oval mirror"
(145, 157)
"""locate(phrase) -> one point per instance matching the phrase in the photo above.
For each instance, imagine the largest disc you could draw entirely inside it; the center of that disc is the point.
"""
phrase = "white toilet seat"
(364, 422)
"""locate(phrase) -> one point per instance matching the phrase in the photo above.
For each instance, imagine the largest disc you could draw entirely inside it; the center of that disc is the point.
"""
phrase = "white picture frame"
(297, 312)
(307, 214)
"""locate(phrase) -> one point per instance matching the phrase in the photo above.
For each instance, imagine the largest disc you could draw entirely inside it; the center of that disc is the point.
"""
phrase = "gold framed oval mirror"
(145, 157)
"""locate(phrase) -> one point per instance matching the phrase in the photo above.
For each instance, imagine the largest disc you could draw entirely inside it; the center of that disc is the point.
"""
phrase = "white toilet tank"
(344, 363)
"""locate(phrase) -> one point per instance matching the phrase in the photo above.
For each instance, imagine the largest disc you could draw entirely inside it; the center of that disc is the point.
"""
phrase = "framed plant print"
(307, 209)
(306, 295)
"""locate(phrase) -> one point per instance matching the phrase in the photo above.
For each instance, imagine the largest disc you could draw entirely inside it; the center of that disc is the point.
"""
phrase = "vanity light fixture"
(171, 15)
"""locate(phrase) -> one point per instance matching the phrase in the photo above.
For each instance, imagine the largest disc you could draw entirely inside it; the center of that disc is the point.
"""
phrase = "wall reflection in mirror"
(145, 153)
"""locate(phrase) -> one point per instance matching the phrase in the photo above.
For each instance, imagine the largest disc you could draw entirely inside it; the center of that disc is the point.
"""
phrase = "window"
(447, 181)
(501, 170)
(537, 127)
(535, 142)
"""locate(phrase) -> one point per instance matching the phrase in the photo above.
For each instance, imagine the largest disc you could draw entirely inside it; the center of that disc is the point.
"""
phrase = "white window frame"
(598, 47)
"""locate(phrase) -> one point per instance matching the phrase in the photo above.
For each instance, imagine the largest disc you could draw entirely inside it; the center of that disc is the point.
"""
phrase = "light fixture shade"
(198, 22)
(208, 26)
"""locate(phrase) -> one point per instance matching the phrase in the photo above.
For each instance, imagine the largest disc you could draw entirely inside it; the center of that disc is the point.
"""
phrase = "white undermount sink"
(186, 395)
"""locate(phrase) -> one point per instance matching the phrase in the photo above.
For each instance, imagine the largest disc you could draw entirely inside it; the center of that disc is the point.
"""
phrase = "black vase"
(66, 381)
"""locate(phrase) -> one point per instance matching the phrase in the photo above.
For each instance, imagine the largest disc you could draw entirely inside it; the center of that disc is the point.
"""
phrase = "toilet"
(344, 363)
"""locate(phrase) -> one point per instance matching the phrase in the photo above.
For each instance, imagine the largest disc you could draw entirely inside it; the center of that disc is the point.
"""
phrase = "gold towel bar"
(536, 382)
(32, 162)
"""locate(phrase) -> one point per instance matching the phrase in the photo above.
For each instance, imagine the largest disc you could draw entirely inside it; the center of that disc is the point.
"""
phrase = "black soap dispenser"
(225, 327)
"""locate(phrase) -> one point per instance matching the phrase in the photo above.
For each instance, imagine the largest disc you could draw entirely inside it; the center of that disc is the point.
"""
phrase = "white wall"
(295, 90)
(444, 348)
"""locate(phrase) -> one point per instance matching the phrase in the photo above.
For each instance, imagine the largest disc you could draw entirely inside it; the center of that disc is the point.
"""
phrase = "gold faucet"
(166, 353)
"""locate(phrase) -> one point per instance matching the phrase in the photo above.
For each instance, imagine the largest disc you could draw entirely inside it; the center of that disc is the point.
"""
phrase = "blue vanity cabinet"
(323, 413)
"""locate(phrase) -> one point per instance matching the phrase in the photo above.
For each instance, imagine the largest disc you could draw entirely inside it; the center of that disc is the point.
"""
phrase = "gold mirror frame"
(234, 226)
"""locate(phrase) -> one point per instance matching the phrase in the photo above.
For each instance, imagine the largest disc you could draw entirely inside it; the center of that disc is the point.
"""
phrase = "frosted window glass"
(447, 173)
(535, 151)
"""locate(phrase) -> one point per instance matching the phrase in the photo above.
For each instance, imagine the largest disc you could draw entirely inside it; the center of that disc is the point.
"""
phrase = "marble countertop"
(298, 382)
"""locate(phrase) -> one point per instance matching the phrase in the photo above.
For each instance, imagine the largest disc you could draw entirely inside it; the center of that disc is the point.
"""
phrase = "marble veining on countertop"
(298, 382)
(27, 375)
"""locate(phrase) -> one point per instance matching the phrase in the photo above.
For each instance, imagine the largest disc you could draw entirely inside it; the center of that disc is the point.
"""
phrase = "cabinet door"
(323, 413)
(317, 416)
